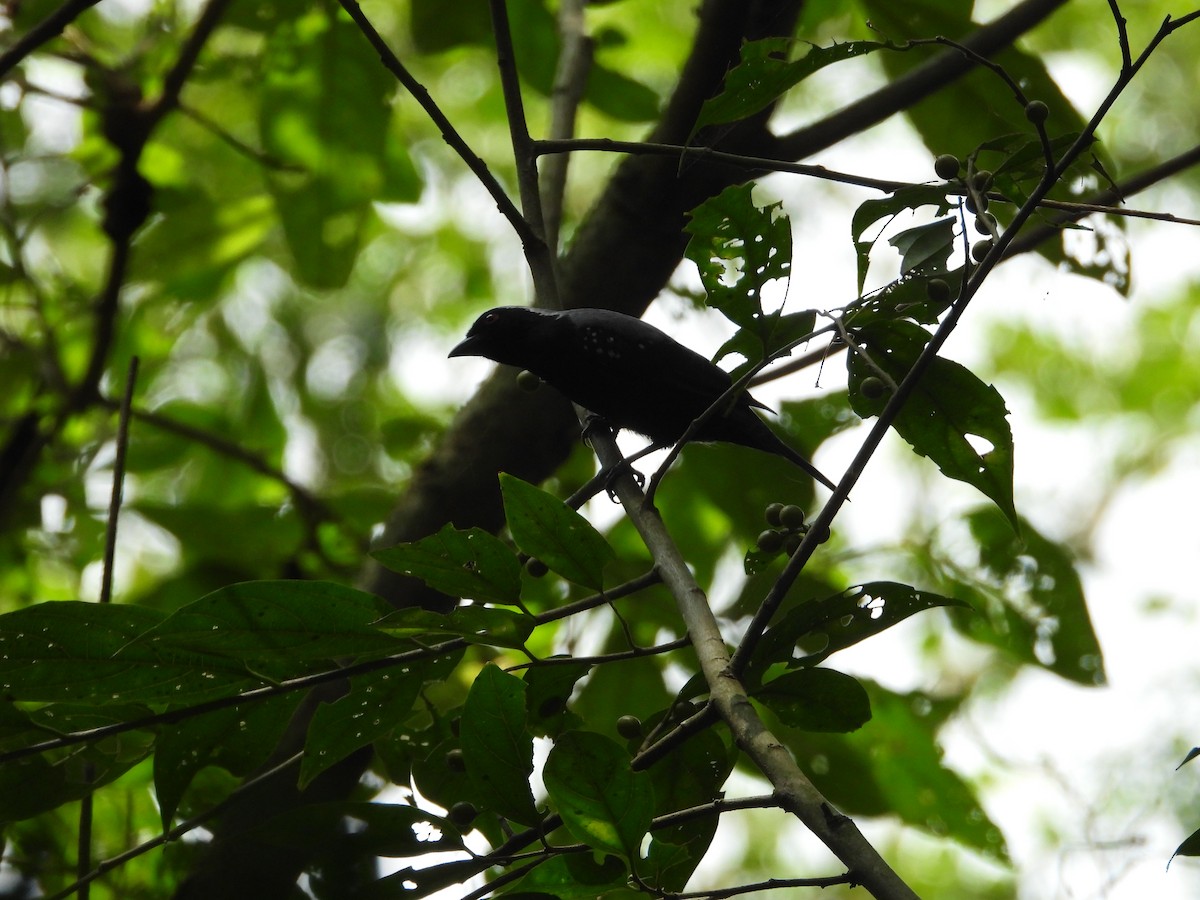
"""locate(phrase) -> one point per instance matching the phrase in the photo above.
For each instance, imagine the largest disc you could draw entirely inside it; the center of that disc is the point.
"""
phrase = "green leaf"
(1036, 608)
(474, 624)
(893, 766)
(949, 407)
(574, 876)
(739, 248)
(545, 527)
(237, 638)
(764, 75)
(817, 700)
(820, 628)
(498, 747)
(602, 801)
(907, 199)
(1190, 847)
(472, 564)
(693, 774)
(549, 687)
(925, 248)
(375, 704)
(64, 651)
(262, 621)
(36, 784)
(237, 739)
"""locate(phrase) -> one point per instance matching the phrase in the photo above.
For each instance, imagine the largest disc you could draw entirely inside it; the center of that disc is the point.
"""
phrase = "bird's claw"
(621, 468)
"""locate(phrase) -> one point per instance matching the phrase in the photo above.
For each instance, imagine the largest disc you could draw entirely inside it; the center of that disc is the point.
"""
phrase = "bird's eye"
(490, 317)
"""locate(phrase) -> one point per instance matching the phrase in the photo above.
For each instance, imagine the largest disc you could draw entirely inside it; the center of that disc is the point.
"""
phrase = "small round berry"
(823, 535)
(982, 180)
(455, 761)
(986, 224)
(938, 290)
(536, 567)
(772, 513)
(527, 381)
(1036, 111)
(792, 517)
(946, 166)
(981, 249)
(770, 541)
(629, 727)
(462, 814)
(872, 388)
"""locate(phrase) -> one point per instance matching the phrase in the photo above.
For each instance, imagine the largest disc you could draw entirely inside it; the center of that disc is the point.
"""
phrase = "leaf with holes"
(813, 631)
(947, 417)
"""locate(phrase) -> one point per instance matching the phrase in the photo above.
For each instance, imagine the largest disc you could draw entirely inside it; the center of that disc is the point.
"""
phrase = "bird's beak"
(465, 347)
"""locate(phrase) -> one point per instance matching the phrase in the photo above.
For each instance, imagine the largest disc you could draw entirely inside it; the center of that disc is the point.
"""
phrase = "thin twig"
(46, 30)
(539, 254)
(449, 133)
(114, 507)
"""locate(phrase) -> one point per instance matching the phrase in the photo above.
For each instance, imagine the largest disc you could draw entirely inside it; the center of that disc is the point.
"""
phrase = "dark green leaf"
(498, 747)
(260, 621)
(949, 407)
(819, 628)
(1190, 847)
(472, 564)
(764, 75)
(475, 624)
(65, 650)
(549, 687)
(739, 248)
(925, 248)
(602, 801)
(375, 704)
(36, 784)
(574, 876)
(817, 700)
(545, 527)
(237, 739)
(894, 765)
(906, 199)
(693, 775)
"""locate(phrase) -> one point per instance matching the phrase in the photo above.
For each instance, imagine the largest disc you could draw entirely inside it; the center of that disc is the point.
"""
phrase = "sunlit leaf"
(497, 745)
(602, 801)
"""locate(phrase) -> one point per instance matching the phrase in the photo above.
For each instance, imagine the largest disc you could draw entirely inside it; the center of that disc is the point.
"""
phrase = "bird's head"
(502, 334)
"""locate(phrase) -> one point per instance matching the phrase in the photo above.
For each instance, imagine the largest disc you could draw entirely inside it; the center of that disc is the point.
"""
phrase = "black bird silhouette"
(625, 371)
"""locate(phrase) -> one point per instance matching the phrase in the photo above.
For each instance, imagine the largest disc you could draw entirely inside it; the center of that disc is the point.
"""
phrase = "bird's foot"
(612, 473)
